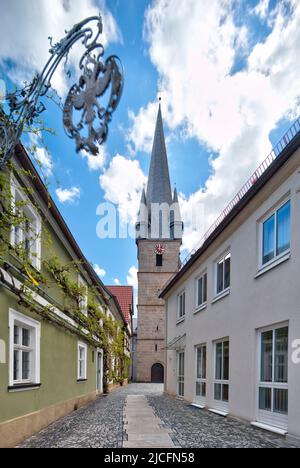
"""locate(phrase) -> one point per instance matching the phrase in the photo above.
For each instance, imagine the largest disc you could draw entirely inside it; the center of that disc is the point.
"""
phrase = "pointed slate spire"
(143, 198)
(143, 218)
(176, 223)
(175, 196)
(159, 186)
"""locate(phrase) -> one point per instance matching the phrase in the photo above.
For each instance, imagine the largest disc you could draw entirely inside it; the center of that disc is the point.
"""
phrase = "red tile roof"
(124, 295)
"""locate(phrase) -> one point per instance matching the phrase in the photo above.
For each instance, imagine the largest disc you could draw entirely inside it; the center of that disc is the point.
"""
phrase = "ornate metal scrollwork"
(95, 80)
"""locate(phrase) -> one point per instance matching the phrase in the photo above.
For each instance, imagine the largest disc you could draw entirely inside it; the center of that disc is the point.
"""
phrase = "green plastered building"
(54, 347)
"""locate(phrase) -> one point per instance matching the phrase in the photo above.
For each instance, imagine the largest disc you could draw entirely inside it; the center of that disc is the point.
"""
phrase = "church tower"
(159, 237)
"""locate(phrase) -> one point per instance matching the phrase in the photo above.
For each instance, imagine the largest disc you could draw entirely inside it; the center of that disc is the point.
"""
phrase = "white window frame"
(36, 247)
(180, 315)
(83, 300)
(180, 377)
(83, 376)
(222, 259)
(204, 303)
(263, 416)
(261, 265)
(220, 404)
(200, 399)
(17, 319)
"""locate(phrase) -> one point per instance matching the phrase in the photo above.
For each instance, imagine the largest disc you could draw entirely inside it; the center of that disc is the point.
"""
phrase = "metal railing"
(275, 153)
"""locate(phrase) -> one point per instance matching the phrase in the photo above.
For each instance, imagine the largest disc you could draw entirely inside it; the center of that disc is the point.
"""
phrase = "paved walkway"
(144, 431)
(142, 416)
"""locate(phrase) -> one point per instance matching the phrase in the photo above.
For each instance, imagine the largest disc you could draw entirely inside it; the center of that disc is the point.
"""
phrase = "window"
(273, 386)
(201, 295)
(83, 299)
(223, 274)
(159, 260)
(27, 233)
(82, 362)
(221, 387)
(276, 234)
(201, 373)
(181, 307)
(24, 350)
(180, 373)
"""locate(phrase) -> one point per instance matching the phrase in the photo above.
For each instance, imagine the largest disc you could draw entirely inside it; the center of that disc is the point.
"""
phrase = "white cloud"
(44, 159)
(96, 163)
(100, 272)
(41, 154)
(68, 195)
(28, 48)
(140, 134)
(122, 184)
(132, 278)
(262, 8)
(195, 46)
(117, 282)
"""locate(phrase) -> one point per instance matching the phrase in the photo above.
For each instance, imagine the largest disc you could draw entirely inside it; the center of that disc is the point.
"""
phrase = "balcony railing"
(275, 153)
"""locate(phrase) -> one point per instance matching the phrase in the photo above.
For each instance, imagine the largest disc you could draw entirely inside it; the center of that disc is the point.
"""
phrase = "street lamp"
(96, 78)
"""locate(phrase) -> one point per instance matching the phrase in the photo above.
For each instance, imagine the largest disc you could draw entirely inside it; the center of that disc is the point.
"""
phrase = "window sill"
(221, 295)
(24, 388)
(81, 380)
(268, 428)
(180, 321)
(196, 405)
(36, 268)
(200, 308)
(275, 263)
(219, 413)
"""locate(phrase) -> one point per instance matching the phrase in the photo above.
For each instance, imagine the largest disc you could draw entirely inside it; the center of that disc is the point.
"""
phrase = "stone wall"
(151, 342)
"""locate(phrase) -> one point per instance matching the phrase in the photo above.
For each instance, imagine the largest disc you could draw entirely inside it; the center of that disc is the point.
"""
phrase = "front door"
(273, 387)
(180, 374)
(99, 372)
(221, 383)
(200, 397)
(157, 373)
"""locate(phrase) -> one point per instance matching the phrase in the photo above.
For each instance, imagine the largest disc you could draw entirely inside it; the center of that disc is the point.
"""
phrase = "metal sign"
(97, 79)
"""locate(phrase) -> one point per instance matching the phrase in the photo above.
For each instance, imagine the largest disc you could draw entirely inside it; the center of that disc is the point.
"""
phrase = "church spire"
(159, 215)
(159, 186)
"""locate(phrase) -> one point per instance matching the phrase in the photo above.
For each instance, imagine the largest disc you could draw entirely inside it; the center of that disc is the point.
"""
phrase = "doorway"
(99, 372)
(180, 374)
(157, 373)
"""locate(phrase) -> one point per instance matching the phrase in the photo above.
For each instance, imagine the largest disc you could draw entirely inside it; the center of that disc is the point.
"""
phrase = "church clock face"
(159, 249)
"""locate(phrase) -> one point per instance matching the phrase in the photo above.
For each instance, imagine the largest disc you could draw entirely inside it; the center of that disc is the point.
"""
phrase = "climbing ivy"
(93, 323)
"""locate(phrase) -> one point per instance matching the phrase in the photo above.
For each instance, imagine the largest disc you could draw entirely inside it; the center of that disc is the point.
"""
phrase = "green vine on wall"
(94, 324)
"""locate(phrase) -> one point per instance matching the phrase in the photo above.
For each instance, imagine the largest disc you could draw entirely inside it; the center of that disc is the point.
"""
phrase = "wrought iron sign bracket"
(97, 78)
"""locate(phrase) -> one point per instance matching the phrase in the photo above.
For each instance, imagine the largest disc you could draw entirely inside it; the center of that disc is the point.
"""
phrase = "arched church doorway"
(157, 373)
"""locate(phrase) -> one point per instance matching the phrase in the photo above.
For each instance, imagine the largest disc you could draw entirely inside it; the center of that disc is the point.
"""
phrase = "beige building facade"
(233, 311)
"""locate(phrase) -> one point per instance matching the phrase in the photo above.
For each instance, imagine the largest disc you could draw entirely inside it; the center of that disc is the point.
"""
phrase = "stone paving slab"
(142, 427)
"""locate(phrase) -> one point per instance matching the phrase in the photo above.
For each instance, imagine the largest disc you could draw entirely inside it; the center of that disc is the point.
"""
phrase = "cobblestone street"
(101, 425)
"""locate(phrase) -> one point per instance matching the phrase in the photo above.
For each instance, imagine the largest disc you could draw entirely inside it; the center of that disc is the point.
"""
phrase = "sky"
(228, 73)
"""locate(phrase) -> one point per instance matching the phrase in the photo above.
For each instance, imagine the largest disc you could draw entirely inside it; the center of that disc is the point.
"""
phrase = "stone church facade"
(158, 236)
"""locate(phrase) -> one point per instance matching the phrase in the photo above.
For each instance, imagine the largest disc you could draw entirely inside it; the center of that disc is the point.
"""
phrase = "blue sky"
(225, 99)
